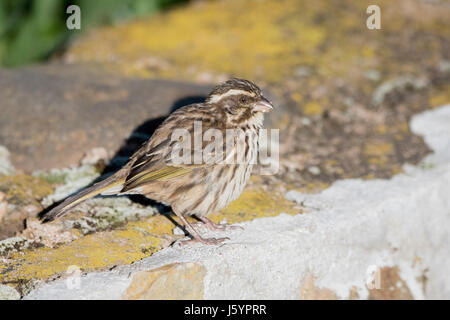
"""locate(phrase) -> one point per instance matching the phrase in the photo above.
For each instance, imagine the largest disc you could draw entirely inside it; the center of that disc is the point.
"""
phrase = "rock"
(95, 155)
(178, 231)
(14, 219)
(105, 232)
(309, 291)
(66, 111)
(399, 84)
(13, 222)
(48, 234)
(32, 210)
(183, 281)
(14, 245)
(314, 170)
(330, 70)
(68, 181)
(386, 285)
(97, 251)
(22, 194)
(317, 70)
(23, 189)
(287, 38)
(391, 286)
(8, 293)
(394, 249)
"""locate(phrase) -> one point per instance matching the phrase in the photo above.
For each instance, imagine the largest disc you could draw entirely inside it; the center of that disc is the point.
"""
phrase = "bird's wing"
(153, 166)
(158, 162)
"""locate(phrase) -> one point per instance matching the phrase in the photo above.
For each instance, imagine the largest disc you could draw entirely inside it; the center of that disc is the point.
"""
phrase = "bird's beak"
(263, 105)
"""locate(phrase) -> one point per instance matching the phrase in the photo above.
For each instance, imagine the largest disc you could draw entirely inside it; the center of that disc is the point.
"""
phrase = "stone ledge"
(357, 230)
(118, 232)
(173, 281)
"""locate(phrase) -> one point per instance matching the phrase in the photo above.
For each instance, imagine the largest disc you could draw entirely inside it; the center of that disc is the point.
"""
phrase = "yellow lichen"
(440, 98)
(381, 129)
(255, 203)
(263, 40)
(312, 108)
(378, 149)
(314, 187)
(296, 96)
(266, 41)
(378, 161)
(24, 189)
(95, 251)
(134, 241)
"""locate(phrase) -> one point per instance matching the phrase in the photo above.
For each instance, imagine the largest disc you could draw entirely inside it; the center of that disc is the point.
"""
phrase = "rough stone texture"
(22, 195)
(173, 282)
(116, 232)
(50, 235)
(309, 291)
(350, 91)
(392, 286)
(68, 114)
(53, 115)
(130, 230)
(103, 232)
(344, 97)
(399, 228)
(8, 293)
(24, 189)
(389, 286)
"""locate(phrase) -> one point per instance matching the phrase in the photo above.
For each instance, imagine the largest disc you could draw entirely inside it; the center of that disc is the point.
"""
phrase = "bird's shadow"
(135, 140)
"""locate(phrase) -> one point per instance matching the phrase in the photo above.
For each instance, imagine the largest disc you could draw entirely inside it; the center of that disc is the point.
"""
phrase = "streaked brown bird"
(192, 187)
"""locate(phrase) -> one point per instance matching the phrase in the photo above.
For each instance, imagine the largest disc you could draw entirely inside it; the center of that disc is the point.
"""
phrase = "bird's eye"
(243, 99)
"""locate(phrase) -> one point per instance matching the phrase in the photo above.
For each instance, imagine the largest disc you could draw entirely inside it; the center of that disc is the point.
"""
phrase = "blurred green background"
(33, 30)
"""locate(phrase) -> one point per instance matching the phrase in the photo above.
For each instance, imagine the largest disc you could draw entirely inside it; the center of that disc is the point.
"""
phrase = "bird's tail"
(104, 186)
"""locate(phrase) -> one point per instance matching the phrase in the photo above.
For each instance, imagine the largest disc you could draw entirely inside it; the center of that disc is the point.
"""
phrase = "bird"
(192, 188)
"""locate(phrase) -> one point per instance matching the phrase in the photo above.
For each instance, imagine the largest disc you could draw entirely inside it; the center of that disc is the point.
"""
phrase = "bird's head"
(241, 101)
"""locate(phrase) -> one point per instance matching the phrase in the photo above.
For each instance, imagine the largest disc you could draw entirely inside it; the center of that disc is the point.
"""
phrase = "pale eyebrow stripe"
(231, 92)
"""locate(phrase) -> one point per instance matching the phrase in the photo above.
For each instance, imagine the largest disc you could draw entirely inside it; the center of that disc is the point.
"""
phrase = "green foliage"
(32, 30)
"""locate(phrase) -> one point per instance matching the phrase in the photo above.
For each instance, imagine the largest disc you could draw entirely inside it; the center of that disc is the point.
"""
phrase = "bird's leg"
(216, 226)
(196, 237)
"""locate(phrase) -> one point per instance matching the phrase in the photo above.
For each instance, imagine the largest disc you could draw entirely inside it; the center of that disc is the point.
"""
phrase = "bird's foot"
(218, 226)
(208, 241)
